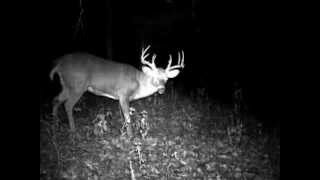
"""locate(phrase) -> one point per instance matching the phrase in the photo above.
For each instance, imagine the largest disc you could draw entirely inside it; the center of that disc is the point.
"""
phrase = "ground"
(175, 137)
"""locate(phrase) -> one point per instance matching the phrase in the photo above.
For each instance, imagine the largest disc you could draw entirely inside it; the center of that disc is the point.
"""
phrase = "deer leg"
(124, 104)
(69, 104)
(58, 100)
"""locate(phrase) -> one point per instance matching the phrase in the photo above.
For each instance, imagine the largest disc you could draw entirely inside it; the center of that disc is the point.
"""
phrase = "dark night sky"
(222, 43)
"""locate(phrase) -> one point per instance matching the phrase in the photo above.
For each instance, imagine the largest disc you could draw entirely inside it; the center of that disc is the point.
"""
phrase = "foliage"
(176, 137)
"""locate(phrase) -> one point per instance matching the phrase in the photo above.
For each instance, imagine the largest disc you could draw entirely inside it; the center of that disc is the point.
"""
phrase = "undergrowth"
(175, 137)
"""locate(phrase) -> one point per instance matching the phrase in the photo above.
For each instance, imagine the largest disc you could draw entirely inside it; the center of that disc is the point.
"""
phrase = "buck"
(79, 73)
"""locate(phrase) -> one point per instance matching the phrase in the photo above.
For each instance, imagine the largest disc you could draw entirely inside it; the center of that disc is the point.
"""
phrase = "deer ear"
(173, 73)
(147, 70)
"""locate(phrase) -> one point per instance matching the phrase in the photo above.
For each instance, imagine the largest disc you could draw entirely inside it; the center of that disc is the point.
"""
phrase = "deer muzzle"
(161, 90)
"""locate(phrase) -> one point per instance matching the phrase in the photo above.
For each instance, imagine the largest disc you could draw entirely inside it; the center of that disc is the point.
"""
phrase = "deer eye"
(158, 82)
(155, 82)
(163, 81)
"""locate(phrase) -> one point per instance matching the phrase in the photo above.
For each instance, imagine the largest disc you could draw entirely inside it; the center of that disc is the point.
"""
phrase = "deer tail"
(53, 72)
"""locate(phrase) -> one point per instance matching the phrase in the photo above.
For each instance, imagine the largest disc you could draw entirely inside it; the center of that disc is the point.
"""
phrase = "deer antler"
(143, 61)
(180, 62)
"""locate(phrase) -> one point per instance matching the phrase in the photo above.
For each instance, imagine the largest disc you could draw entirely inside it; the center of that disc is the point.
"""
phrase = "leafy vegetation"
(175, 137)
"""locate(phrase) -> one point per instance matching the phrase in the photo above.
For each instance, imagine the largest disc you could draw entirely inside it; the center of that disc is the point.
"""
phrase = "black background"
(223, 43)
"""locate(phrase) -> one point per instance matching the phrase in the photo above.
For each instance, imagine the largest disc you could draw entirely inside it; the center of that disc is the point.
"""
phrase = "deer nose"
(161, 90)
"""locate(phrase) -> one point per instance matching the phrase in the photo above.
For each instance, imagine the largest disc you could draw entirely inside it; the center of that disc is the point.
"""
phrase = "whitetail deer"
(83, 72)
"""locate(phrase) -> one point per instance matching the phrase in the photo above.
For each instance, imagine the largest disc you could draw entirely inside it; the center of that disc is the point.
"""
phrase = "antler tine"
(170, 61)
(154, 58)
(180, 62)
(145, 50)
(143, 56)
